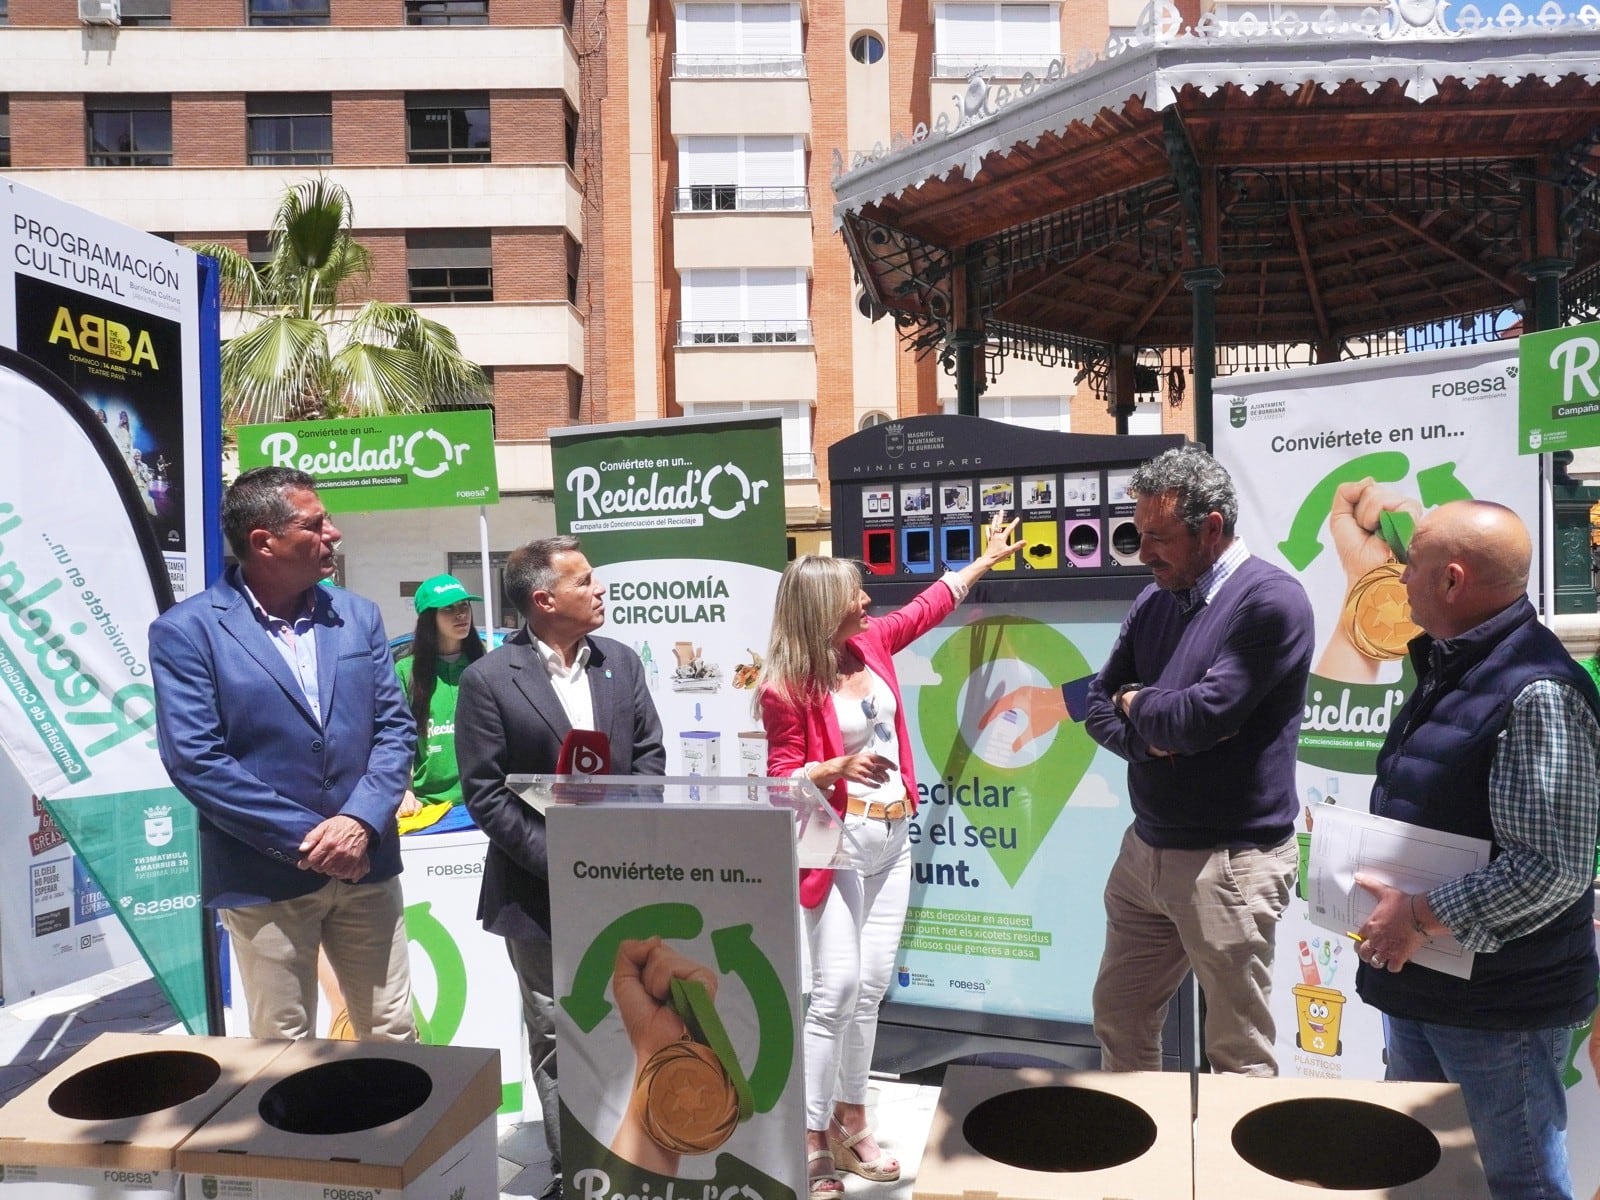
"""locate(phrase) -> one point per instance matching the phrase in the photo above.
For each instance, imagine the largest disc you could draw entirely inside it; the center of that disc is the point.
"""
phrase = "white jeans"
(854, 937)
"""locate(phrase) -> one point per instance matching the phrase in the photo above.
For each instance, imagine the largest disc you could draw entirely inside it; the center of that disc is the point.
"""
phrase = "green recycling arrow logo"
(736, 953)
(1435, 486)
(450, 1005)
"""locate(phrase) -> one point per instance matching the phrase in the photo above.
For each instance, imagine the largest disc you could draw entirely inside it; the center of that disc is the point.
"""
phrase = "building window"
(747, 173)
(146, 13)
(574, 260)
(129, 130)
(874, 418)
(866, 48)
(739, 40)
(286, 12)
(449, 266)
(753, 306)
(290, 129)
(795, 428)
(447, 127)
(1000, 40)
(5, 12)
(1053, 413)
(5, 131)
(569, 117)
(447, 12)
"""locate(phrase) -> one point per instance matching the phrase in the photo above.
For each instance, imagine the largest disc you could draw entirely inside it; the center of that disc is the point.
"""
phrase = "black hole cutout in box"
(346, 1096)
(134, 1085)
(1059, 1129)
(1358, 1147)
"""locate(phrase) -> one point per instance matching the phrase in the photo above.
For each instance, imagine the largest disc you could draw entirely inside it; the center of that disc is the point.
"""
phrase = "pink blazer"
(800, 735)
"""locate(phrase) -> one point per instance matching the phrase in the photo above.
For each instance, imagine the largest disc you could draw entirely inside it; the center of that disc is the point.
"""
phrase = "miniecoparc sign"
(419, 460)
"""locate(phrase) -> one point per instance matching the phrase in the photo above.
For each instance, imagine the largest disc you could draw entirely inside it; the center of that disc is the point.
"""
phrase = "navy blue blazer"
(240, 741)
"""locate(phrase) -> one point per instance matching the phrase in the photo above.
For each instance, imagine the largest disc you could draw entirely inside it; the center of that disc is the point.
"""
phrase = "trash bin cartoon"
(1319, 1010)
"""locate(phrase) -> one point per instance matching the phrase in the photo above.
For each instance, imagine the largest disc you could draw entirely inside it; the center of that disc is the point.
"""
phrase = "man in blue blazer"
(280, 718)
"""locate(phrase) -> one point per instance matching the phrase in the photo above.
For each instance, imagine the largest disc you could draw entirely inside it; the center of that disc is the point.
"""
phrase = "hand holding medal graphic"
(688, 1093)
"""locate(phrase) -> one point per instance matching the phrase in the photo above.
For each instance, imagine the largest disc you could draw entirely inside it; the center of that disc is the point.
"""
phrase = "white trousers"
(854, 939)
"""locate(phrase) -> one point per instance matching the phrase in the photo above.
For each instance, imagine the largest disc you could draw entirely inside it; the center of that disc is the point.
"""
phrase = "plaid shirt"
(1205, 588)
(1542, 801)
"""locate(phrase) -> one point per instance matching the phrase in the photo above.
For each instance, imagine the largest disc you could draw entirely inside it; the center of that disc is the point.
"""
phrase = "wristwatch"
(1116, 696)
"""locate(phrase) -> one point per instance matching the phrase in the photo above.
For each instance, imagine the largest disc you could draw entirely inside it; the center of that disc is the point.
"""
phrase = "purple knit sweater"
(1223, 691)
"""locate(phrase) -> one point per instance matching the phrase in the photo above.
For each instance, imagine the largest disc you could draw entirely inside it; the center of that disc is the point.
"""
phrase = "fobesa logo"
(103, 338)
(688, 492)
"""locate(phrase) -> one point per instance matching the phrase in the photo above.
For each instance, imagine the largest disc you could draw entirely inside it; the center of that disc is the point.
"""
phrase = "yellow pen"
(1354, 937)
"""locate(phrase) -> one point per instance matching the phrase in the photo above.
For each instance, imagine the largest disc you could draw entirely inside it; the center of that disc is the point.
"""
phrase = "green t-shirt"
(435, 778)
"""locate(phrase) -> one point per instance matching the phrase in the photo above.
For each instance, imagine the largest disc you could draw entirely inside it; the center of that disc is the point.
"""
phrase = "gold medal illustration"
(692, 1094)
(689, 1106)
(1376, 615)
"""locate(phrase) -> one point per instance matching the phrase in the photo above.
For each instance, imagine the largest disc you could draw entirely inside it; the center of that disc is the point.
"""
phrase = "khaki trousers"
(1215, 911)
(360, 926)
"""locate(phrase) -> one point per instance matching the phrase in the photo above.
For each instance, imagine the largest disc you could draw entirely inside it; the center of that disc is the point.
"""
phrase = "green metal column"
(1203, 283)
(969, 382)
(1546, 274)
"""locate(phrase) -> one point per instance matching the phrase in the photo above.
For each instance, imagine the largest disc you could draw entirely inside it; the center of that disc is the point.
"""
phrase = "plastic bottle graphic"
(1308, 966)
(652, 673)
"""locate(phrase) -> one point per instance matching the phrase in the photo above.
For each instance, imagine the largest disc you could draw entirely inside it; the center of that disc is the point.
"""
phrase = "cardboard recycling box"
(1290, 1139)
(375, 1120)
(1040, 1133)
(108, 1121)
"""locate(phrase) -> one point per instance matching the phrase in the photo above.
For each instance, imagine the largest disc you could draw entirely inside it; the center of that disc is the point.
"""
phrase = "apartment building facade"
(621, 207)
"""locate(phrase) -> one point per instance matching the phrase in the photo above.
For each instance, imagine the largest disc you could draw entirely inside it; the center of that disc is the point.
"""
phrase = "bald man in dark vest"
(1500, 740)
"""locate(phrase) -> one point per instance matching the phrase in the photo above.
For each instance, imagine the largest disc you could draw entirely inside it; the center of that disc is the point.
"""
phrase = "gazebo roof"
(1348, 185)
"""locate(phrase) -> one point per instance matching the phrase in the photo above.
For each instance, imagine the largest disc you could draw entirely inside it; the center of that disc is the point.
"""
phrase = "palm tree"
(299, 358)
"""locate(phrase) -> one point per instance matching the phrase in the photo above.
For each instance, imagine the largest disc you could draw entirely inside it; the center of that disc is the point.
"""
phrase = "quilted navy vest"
(1433, 771)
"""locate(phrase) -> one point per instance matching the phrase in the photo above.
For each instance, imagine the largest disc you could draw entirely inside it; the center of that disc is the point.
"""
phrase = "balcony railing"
(729, 197)
(736, 66)
(800, 466)
(744, 333)
(990, 66)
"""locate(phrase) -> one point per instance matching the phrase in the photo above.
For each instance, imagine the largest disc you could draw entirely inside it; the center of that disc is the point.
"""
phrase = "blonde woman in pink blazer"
(830, 703)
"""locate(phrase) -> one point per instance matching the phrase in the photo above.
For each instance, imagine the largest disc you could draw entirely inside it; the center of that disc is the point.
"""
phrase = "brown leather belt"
(895, 810)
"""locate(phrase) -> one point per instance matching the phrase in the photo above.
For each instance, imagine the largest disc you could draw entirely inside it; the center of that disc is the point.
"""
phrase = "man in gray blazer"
(515, 708)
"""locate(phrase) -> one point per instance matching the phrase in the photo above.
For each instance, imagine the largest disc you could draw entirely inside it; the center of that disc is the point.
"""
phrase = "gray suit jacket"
(509, 721)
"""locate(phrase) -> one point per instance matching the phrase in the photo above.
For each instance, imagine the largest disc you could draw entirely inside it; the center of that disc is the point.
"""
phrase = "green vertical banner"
(683, 521)
(1558, 390)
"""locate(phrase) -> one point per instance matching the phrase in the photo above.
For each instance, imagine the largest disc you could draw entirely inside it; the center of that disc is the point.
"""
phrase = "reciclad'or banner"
(101, 417)
(365, 464)
(669, 1091)
(1308, 449)
(683, 521)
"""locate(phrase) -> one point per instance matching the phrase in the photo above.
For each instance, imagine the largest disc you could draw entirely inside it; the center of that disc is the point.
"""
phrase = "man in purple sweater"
(1202, 694)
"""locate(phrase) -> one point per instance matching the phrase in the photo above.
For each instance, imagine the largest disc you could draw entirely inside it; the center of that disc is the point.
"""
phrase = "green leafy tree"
(305, 353)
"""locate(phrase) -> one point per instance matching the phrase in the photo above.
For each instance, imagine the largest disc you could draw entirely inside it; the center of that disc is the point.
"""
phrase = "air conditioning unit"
(100, 12)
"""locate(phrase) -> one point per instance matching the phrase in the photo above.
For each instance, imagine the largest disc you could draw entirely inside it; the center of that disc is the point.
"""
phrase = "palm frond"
(276, 371)
(374, 380)
(239, 283)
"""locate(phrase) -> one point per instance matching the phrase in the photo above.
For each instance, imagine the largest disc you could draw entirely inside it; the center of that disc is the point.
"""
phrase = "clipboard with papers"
(1409, 857)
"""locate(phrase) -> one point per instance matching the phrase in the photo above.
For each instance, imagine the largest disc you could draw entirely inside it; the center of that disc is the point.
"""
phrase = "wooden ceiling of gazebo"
(1345, 190)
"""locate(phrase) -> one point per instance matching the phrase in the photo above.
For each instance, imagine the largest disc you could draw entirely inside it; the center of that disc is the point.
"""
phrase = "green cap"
(441, 592)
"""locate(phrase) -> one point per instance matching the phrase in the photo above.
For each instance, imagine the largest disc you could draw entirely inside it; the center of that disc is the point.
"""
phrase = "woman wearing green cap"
(445, 642)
